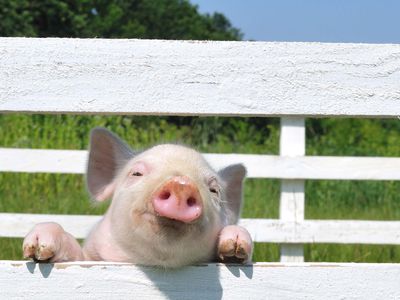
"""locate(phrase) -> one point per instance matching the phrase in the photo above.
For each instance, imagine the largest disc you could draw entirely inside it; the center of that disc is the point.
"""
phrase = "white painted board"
(291, 203)
(157, 77)
(258, 166)
(19, 224)
(324, 231)
(261, 230)
(99, 280)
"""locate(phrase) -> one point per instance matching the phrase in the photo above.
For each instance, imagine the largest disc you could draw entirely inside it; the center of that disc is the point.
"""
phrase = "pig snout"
(178, 199)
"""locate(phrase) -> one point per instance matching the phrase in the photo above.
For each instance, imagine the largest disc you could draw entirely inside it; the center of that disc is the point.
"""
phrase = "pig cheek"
(144, 221)
(213, 218)
(132, 181)
(211, 205)
(142, 212)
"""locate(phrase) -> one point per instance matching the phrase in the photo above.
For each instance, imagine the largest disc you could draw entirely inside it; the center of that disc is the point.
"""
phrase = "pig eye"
(213, 190)
(136, 174)
(138, 169)
(213, 186)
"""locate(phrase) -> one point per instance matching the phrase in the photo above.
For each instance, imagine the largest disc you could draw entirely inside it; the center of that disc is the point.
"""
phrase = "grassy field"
(61, 193)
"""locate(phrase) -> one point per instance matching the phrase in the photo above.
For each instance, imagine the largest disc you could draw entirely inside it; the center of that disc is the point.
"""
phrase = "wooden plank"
(115, 76)
(19, 224)
(100, 280)
(324, 231)
(291, 204)
(262, 230)
(258, 166)
(43, 160)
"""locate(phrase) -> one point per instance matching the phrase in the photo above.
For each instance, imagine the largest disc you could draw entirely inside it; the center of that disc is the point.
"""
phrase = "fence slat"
(262, 230)
(110, 76)
(291, 204)
(258, 166)
(100, 280)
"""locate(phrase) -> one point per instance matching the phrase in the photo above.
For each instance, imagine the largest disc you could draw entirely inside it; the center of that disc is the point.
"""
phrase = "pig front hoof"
(41, 243)
(39, 252)
(235, 245)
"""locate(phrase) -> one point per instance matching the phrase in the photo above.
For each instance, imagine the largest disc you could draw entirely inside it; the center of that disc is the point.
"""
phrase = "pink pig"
(169, 208)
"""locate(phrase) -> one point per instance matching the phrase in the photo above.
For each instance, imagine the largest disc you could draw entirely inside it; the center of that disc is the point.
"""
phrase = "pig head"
(168, 206)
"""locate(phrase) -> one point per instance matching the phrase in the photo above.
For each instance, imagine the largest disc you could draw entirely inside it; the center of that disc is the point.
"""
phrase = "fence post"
(292, 143)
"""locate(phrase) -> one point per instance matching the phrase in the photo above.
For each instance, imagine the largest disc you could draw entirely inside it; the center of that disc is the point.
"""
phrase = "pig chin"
(171, 224)
(154, 240)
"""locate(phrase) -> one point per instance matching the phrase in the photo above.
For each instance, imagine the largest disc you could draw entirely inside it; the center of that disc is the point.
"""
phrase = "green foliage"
(156, 19)
(16, 19)
(353, 137)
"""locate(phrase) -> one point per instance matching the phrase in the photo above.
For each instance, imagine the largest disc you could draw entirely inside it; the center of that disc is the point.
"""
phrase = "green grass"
(65, 194)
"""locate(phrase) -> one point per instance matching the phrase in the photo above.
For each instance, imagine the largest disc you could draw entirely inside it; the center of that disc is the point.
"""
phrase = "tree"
(163, 19)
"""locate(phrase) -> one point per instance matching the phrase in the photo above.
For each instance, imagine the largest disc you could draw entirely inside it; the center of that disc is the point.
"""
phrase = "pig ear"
(107, 154)
(232, 177)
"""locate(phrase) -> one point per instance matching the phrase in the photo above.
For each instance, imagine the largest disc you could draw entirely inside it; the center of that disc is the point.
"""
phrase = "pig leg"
(49, 242)
(234, 245)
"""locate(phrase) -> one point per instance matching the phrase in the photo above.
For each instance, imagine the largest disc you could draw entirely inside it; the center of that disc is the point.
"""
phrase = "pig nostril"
(165, 195)
(191, 201)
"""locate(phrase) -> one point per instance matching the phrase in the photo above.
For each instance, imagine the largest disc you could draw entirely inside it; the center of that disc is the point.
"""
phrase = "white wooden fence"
(287, 80)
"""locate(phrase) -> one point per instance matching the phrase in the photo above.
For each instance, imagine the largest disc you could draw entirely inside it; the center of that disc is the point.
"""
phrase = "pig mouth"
(171, 223)
(164, 224)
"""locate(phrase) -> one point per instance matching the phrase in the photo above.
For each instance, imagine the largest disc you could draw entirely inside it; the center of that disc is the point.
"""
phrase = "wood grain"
(291, 202)
(100, 280)
(111, 76)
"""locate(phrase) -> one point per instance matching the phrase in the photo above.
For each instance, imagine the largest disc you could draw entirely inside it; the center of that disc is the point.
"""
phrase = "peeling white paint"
(55, 75)
(94, 280)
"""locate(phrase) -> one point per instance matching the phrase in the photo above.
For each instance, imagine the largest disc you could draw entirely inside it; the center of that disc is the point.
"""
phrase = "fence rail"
(258, 166)
(96, 280)
(261, 230)
(88, 76)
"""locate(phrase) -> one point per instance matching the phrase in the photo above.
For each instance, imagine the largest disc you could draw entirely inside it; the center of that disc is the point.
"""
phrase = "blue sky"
(356, 21)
